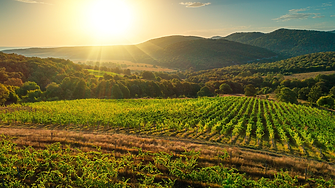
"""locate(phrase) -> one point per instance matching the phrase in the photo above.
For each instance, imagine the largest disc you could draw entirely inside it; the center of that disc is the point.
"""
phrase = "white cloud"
(27, 1)
(194, 4)
(32, 2)
(326, 4)
(298, 10)
(316, 16)
(295, 14)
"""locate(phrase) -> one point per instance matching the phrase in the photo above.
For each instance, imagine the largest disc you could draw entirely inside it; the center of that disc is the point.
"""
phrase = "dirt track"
(255, 163)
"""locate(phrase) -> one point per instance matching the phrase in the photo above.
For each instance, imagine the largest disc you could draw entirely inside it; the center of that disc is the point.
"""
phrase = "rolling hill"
(288, 42)
(207, 54)
(179, 52)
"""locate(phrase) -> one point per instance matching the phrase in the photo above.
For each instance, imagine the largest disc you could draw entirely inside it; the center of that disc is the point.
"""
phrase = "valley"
(175, 111)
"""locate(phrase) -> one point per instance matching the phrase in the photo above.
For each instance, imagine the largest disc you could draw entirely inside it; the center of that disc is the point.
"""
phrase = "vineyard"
(233, 121)
(58, 166)
(243, 121)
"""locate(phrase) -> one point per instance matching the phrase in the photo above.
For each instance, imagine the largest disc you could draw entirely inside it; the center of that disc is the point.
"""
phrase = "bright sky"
(46, 23)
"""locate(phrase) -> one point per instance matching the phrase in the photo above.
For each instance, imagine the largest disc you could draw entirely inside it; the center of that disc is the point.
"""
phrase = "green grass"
(99, 73)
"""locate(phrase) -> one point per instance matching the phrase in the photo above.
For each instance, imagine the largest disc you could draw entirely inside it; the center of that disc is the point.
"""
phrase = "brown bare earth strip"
(255, 163)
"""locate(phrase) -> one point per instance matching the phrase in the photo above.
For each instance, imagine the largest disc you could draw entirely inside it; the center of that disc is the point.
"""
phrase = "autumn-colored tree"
(4, 94)
(14, 82)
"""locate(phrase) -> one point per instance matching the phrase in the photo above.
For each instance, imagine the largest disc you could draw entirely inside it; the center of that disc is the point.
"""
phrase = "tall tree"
(326, 101)
(225, 89)
(4, 94)
(27, 86)
(287, 95)
(125, 91)
(148, 75)
(116, 92)
(205, 91)
(250, 90)
(303, 93)
(53, 91)
(314, 94)
(80, 90)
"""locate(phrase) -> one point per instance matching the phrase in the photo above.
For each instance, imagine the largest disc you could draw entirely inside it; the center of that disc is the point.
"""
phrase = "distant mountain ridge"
(288, 42)
(179, 52)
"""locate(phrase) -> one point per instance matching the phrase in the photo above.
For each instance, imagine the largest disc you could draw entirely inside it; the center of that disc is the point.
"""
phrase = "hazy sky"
(49, 23)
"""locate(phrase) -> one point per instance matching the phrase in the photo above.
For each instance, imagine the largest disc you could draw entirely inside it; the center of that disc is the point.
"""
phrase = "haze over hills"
(288, 42)
(181, 52)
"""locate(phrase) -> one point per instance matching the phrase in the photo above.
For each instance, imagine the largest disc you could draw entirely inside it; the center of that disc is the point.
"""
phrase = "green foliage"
(3, 75)
(53, 90)
(148, 75)
(27, 86)
(58, 167)
(33, 96)
(303, 93)
(286, 95)
(125, 91)
(250, 90)
(314, 94)
(225, 88)
(326, 101)
(80, 90)
(116, 92)
(332, 91)
(324, 61)
(265, 90)
(4, 94)
(204, 91)
(219, 115)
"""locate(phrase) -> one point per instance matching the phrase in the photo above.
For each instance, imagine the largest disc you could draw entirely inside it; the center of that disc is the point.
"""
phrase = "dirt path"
(255, 163)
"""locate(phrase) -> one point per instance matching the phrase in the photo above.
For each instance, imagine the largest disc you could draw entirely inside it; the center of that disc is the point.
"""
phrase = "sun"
(109, 17)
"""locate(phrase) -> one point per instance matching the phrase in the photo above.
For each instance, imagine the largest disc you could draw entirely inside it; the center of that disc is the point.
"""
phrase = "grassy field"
(261, 137)
(302, 76)
(134, 66)
(99, 73)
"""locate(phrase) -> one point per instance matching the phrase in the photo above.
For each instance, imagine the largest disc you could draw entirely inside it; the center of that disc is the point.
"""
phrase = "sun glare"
(109, 17)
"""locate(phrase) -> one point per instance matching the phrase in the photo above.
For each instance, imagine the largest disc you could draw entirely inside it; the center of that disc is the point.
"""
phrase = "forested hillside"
(178, 52)
(206, 53)
(32, 79)
(288, 42)
(263, 78)
(323, 61)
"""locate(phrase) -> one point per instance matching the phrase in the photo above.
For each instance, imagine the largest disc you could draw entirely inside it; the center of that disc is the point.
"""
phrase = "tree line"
(31, 79)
